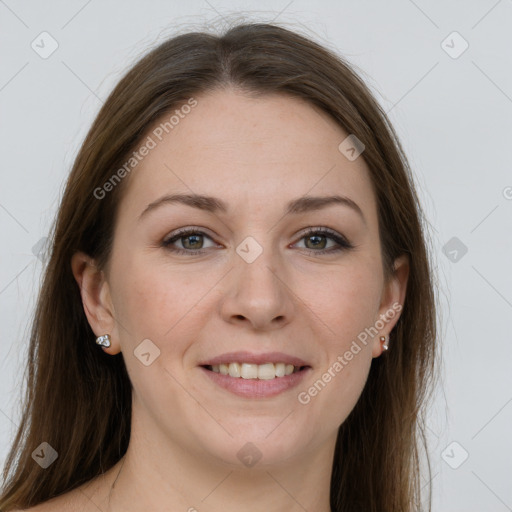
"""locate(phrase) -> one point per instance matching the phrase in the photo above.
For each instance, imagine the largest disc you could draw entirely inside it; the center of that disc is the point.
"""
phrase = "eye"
(191, 239)
(316, 240)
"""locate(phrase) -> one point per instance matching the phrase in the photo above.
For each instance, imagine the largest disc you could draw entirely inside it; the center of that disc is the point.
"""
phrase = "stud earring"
(384, 340)
(104, 340)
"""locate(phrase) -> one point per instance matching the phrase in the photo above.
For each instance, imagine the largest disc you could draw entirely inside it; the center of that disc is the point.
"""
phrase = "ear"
(392, 302)
(96, 299)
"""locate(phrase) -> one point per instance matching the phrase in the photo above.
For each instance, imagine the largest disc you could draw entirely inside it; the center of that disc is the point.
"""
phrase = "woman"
(241, 237)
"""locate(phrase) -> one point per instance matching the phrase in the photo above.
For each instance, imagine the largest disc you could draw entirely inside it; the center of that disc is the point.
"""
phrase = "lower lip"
(257, 388)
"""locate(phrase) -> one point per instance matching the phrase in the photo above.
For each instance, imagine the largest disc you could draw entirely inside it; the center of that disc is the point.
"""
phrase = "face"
(260, 275)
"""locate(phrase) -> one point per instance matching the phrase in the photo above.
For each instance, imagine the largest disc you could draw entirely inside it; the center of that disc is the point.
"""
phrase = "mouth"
(255, 376)
(249, 371)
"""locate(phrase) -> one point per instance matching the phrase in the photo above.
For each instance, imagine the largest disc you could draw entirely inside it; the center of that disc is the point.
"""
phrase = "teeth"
(280, 369)
(234, 370)
(249, 371)
(267, 371)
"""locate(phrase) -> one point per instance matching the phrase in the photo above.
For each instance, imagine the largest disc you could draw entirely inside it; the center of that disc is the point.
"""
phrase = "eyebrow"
(214, 204)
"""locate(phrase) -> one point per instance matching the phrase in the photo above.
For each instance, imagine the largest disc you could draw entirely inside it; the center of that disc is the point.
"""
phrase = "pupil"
(188, 238)
(317, 237)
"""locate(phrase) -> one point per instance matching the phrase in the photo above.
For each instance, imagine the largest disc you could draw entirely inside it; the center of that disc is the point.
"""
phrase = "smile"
(267, 371)
(252, 386)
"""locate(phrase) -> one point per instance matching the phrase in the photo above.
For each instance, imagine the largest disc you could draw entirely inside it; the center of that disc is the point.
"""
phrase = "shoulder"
(88, 497)
(66, 502)
(71, 501)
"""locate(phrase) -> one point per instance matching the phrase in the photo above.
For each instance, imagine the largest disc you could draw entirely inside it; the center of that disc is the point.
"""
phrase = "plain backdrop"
(443, 72)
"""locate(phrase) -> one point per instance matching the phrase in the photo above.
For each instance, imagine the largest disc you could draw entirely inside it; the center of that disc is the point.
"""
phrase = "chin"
(256, 446)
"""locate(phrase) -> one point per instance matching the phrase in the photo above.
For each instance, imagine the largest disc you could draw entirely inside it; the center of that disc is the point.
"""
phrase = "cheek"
(163, 304)
(347, 386)
(336, 386)
(149, 296)
(153, 315)
(345, 301)
(348, 305)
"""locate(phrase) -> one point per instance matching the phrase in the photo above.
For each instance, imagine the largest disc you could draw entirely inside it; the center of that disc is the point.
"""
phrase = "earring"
(104, 340)
(384, 340)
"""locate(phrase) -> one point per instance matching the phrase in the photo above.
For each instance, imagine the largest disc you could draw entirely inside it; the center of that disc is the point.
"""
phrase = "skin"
(256, 154)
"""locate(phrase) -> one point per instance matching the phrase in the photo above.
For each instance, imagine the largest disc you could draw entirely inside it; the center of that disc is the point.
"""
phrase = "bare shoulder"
(91, 496)
(66, 502)
(81, 499)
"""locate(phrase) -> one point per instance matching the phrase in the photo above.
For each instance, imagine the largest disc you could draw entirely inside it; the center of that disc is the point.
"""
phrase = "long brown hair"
(79, 401)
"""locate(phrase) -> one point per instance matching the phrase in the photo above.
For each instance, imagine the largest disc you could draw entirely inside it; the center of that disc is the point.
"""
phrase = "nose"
(258, 294)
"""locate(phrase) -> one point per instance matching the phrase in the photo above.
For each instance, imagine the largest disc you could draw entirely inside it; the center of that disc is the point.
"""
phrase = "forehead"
(252, 151)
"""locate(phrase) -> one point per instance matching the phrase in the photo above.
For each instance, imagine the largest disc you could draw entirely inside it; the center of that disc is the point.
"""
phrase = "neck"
(159, 474)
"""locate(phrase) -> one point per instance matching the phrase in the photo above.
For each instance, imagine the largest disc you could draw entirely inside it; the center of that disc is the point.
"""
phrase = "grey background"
(453, 116)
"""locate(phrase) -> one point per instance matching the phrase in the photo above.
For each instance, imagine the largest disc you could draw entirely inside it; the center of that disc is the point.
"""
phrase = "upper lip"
(250, 357)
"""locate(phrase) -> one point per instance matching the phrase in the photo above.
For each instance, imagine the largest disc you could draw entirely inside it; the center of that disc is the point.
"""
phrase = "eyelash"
(343, 244)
